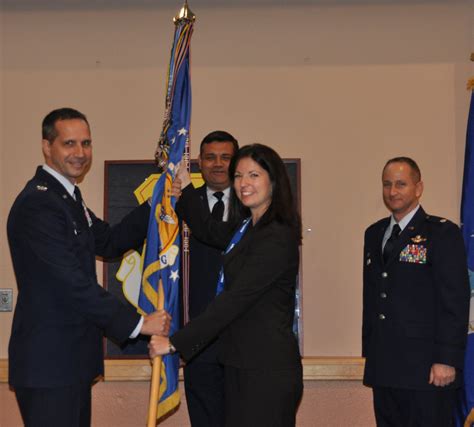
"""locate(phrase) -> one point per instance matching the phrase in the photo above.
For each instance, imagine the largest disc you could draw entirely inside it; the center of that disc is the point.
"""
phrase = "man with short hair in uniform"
(415, 306)
(62, 313)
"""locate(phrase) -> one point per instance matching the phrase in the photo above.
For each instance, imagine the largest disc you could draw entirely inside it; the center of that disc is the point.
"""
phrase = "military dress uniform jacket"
(416, 306)
(253, 316)
(61, 311)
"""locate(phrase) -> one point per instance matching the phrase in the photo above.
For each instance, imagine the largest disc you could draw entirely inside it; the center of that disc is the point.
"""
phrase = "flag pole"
(183, 21)
(154, 392)
(155, 373)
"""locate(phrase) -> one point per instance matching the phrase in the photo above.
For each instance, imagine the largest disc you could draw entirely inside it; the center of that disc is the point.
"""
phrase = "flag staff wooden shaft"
(186, 15)
(154, 392)
(155, 373)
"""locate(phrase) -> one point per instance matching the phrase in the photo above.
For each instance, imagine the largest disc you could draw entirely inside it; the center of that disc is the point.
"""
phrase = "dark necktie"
(78, 195)
(389, 245)
(218, 208)
(82, 206)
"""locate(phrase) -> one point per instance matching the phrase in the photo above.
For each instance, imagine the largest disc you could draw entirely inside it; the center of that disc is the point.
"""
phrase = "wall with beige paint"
(342, 85)
(4, 319)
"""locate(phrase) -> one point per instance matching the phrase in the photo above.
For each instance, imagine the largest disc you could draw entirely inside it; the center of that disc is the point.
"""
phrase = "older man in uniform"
(416, 306)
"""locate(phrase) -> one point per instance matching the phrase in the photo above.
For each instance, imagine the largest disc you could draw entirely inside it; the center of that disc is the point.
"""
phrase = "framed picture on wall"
(128, 183)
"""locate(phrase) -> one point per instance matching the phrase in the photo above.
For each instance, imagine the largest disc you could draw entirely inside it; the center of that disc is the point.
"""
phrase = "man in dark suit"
(55, 351)
(204, 376)
(416, 306)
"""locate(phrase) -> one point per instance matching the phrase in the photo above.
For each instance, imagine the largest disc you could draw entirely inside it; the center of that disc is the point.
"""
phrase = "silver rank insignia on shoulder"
(369, 261)
(41, 188)
(443, 220)
(418, 239)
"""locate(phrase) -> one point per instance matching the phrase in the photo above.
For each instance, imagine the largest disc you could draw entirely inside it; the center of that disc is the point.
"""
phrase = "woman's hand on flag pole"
(160, 346)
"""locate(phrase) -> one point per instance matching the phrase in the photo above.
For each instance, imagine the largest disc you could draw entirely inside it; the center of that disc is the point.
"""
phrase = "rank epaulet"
(436, 219)
(42, 188)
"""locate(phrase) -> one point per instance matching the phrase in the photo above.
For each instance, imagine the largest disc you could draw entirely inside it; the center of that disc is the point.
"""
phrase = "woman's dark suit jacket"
(254, 314)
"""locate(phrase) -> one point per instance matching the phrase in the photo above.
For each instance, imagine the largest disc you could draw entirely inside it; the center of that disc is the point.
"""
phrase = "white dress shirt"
(402, 224)
(213, 200)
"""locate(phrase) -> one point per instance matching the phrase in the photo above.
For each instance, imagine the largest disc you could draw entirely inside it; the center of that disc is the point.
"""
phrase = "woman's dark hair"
(283, 206)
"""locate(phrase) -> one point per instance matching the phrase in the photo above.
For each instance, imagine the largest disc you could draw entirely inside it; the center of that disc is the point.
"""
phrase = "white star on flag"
(182, 131)
(174, 275)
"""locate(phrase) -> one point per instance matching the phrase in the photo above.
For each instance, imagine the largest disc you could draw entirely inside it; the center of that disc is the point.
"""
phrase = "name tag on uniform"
(415, 254)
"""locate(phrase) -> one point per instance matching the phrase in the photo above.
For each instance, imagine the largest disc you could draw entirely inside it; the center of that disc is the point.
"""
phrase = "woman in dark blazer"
(253, 315)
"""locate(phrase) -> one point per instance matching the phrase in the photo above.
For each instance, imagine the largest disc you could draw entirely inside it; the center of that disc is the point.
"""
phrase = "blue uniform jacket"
(61, 311)
(416, 307)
